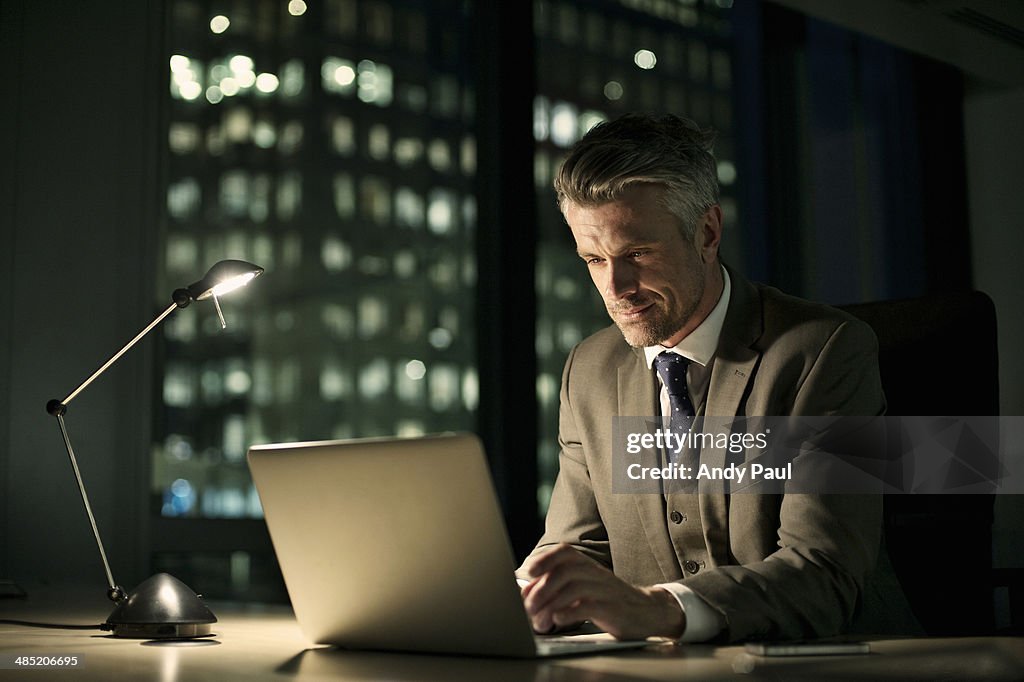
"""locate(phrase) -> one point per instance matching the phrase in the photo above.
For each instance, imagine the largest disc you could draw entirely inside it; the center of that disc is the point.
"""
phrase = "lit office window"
(440, 155)
(375, 199)
(335, 382)
(409, 208)
(375, 379)
(293, 79)
(183, 138)
(184, 198)
(335, 253)
(468, 156)
(563, 125)
(409, 385)
(373, 317)
(379, 144)
(374, 83)
(470, 389)
(408, 151)
(405, 265)
(179, 386)
(441, 211)
(338, 76)
(344, 195)
(444, 382)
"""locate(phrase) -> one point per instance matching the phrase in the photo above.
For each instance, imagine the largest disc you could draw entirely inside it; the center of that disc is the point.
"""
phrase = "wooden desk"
(265, 643)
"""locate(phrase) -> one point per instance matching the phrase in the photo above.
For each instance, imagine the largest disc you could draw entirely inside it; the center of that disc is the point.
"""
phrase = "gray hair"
(640, 148)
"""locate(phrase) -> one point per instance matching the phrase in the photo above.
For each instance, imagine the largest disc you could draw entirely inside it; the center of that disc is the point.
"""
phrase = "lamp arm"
(115, 592)
(58, 407)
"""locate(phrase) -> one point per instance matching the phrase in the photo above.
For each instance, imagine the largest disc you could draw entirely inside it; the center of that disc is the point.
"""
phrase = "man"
(640, 195)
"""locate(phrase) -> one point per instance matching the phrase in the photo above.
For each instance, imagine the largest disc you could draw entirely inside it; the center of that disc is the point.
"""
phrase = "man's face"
(657, 286)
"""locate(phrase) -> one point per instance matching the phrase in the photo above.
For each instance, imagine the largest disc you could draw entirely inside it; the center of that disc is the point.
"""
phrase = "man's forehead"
(621, 221)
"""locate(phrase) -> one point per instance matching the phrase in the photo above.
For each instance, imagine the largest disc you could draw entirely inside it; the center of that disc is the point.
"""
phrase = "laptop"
(399, 544)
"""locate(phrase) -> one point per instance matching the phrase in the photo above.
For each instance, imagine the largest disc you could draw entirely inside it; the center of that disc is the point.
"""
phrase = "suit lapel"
(735, 358)
(732, 369)
(638, 397)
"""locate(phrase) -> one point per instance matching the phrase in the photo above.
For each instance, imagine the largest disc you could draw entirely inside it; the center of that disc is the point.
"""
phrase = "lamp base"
(161, 607)
(159, 630)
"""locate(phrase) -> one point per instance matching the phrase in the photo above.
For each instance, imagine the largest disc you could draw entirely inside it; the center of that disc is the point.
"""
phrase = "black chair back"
(938, 356)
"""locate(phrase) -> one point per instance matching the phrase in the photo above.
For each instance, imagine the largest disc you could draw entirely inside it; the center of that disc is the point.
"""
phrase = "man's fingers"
(565, 602)
(557, 615)
(570, 614)
(561, 613)
(569, 588)
(564, 583)
(550, 558)
(552, 597)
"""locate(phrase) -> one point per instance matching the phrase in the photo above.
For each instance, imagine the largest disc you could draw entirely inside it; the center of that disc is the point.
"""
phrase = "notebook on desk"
(399, 544)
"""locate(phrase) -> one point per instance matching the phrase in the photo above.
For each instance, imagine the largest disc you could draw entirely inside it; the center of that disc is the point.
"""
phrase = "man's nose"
(621, 279)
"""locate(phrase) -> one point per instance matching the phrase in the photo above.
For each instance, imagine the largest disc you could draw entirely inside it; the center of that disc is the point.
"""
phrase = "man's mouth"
(632, 312)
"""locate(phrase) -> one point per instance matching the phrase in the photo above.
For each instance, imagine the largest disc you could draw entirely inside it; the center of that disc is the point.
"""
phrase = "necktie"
(672, 370)
(671, 367)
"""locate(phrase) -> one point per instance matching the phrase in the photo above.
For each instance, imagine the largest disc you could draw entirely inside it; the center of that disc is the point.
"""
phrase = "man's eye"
(636, 254)
(594, 261)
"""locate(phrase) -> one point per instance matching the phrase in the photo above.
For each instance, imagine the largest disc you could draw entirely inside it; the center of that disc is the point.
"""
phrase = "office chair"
(940, 545)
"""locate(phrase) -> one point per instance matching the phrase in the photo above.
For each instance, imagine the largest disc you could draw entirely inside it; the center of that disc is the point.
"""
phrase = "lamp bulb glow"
(232, 284)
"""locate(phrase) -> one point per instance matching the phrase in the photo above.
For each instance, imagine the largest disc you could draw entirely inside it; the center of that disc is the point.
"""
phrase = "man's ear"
(708, 235)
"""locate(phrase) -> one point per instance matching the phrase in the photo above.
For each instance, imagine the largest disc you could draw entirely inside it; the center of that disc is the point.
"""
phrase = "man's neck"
(701, 343)
(712, 293)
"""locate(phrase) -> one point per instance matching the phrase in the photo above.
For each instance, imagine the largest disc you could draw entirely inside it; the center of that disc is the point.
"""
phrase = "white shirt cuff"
(702, 621)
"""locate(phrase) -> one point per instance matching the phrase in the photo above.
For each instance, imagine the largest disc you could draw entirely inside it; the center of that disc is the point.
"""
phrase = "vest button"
(676, 517)
(691, 566)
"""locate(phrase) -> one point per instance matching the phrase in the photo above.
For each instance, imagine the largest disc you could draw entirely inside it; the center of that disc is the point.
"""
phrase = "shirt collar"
(700, 344)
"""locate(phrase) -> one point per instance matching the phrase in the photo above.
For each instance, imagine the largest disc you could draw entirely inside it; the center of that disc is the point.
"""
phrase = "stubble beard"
(659, 326)
(647, 332)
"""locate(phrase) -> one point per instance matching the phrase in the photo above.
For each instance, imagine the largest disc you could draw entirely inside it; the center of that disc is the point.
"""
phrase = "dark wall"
(77, 234)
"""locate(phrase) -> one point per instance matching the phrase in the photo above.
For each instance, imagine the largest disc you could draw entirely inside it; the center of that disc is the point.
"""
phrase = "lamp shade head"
(224, 276)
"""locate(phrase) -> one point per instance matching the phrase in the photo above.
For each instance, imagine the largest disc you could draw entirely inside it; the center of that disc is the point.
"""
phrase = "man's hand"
(566, 588)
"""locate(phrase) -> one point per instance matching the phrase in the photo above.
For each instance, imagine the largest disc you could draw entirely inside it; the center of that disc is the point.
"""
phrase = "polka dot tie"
(672, 370)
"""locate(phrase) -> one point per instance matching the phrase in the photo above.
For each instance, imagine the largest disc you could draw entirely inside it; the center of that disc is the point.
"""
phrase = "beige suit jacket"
(774, 566)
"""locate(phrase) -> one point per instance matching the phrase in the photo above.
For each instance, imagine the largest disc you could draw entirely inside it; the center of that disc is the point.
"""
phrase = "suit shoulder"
(785, 314)
(602, 347)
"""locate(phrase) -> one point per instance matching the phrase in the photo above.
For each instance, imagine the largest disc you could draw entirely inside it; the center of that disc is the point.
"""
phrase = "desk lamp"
(161, 606)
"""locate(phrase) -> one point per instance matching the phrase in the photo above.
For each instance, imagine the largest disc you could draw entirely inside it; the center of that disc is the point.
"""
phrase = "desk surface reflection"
(265, 643)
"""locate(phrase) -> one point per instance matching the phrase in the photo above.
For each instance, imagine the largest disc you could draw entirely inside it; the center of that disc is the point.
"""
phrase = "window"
(331, 144)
